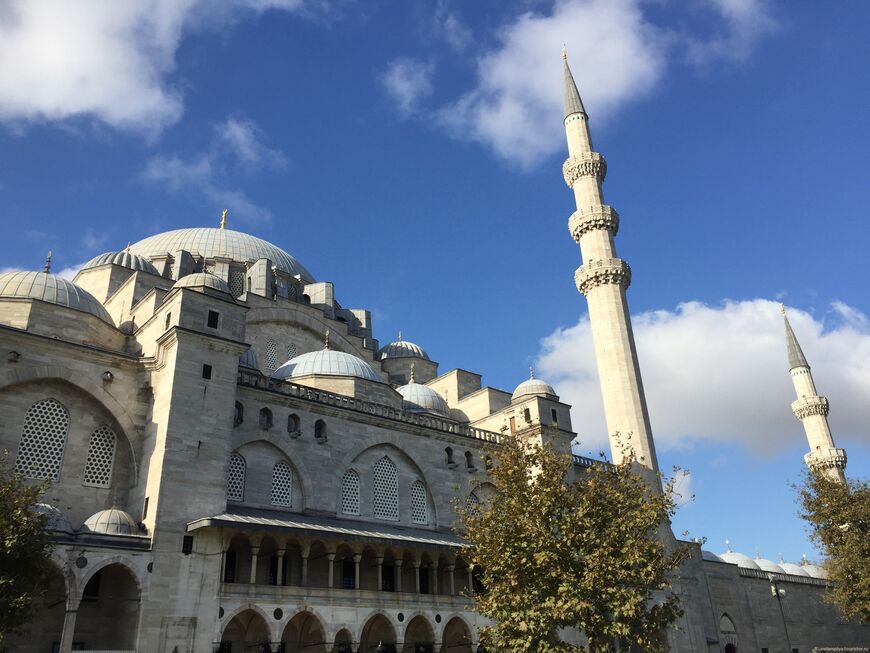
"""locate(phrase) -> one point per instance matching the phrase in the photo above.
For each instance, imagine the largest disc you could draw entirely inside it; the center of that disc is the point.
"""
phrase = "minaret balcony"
(591, 218)
(602, 271)
(586, 164)
(821, 460)
(806, 406)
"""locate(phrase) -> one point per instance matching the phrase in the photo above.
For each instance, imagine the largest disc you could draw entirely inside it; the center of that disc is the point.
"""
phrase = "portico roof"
(327, 527)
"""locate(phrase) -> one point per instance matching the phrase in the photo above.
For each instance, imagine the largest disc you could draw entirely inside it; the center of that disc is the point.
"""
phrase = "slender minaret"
(603, 279)
(812, 410)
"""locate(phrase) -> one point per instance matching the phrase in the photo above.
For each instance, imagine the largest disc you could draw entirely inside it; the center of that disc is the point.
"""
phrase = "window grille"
(40, 451)
(292, 351)
(271, 356)
(101, 456)
(236, 281)
(472, 502)
(236, 478)
(386, 484)
(419, 504)
(282, 485)
(350, 493)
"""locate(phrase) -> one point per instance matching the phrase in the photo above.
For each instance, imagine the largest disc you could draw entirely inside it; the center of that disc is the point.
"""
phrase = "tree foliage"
(586, 554)
(839, 519)
(24, 549)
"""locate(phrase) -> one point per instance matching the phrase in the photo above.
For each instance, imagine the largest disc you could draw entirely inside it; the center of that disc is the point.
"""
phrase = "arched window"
(239, 415)
(40, 451)
(236, 478)
(472, 502)
(386, 485)
(419, 503)
(265, 419)
(449, 452)
(469, 460)
(350, 493)
(293, 427)
(282, 485)
(101, 457)
(292, 351)
(320, 431)
(271, 355)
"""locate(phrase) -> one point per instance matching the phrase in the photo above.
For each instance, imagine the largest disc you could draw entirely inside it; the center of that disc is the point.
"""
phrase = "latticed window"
(236, 478)
(271, 355)
(101, 457)
(236, 281)
(282, 485)
(292, 351)
(350, 493)
(40, 451)
(386, 483)
(472, 502)
(419, 503)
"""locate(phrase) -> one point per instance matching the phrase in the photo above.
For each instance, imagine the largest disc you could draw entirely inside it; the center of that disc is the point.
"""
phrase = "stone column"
(330, 556)
(398, 571)
(69, 630)
(279, 576)
(380, 561)
(255, 551)
(417, 576)
(450, 570)
(470, 581)
(434, 583)
(306, 549)
(356, 558)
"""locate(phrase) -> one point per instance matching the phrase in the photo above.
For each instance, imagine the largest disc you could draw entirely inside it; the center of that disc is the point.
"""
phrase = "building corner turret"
(812, 411)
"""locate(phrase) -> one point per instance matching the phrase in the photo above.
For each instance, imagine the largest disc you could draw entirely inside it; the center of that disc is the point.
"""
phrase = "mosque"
(237, 464)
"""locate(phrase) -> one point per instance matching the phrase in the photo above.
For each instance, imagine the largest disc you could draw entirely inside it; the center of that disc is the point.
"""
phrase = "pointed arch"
(43, 440)
(386, 489)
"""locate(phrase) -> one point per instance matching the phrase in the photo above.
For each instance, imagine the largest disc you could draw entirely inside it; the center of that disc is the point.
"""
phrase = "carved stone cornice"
(587, 164)
(591, 218)
(827, 459)
(807, 406)
(597, 272)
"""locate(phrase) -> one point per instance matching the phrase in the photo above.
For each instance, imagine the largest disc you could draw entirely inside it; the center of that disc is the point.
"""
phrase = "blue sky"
(411, 153)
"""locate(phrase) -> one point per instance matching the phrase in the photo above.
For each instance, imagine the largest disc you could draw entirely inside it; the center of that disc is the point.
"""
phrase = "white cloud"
(450, 27)
(93, 241)
(105, 60)
(617, 54)
(236, 144)
(407, 81)
(719, 373)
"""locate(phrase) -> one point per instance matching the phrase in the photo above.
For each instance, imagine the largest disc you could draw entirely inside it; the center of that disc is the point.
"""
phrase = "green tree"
(586, 554)
(24, 549)
(839, 519)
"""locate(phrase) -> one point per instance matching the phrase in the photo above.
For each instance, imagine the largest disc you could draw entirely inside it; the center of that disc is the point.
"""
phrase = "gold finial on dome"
(47, 267)
(411, 379)
(326, 340)
(531, 372)
(400, 336)
(564, 53)
(224, 219)
(782, 308)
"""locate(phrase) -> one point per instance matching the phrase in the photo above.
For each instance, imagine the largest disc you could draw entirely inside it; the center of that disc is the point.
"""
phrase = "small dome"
(534, 387)
(249, 359)
(419, 397)
(125, 259)
(203, 280)
(326, 362)
(402, 349)
(54, 518)
(53, 289)
(768, 565)
(709, 555)
(815, 571)
(110, 522)
(793, 569)
(210, 243)
(738, 559)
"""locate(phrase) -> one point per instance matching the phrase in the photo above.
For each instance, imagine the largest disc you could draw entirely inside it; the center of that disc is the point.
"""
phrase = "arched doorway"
(728, 632)
(457, 637)
(419, 636)
(343, 642)
(49, 608)
(108, 615)
(247, 632)
(304, 634)
(378, 631)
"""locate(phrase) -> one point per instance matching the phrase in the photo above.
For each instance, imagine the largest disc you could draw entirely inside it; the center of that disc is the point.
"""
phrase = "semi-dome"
(211, 243)
(54, 518)
(402, 349)
(709, 555)
(419, 397)
(110, 522)
(326, 362)
(125, 259)
(815, 571)
(534, 387)
(738, 559)
(768, 566)
(51, 288)
(793, 569)
(203, 280)
(249, 359)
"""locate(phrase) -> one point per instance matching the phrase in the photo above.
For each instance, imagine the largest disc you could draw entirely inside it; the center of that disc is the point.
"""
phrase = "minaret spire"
(603, 279)
(47, 267)
(812, 410)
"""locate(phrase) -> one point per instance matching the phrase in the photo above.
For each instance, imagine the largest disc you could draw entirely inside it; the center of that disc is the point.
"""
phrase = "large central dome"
(210, 242)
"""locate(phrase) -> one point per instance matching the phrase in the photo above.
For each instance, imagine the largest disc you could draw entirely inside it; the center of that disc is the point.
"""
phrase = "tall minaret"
(812, 410)
(603, 279)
